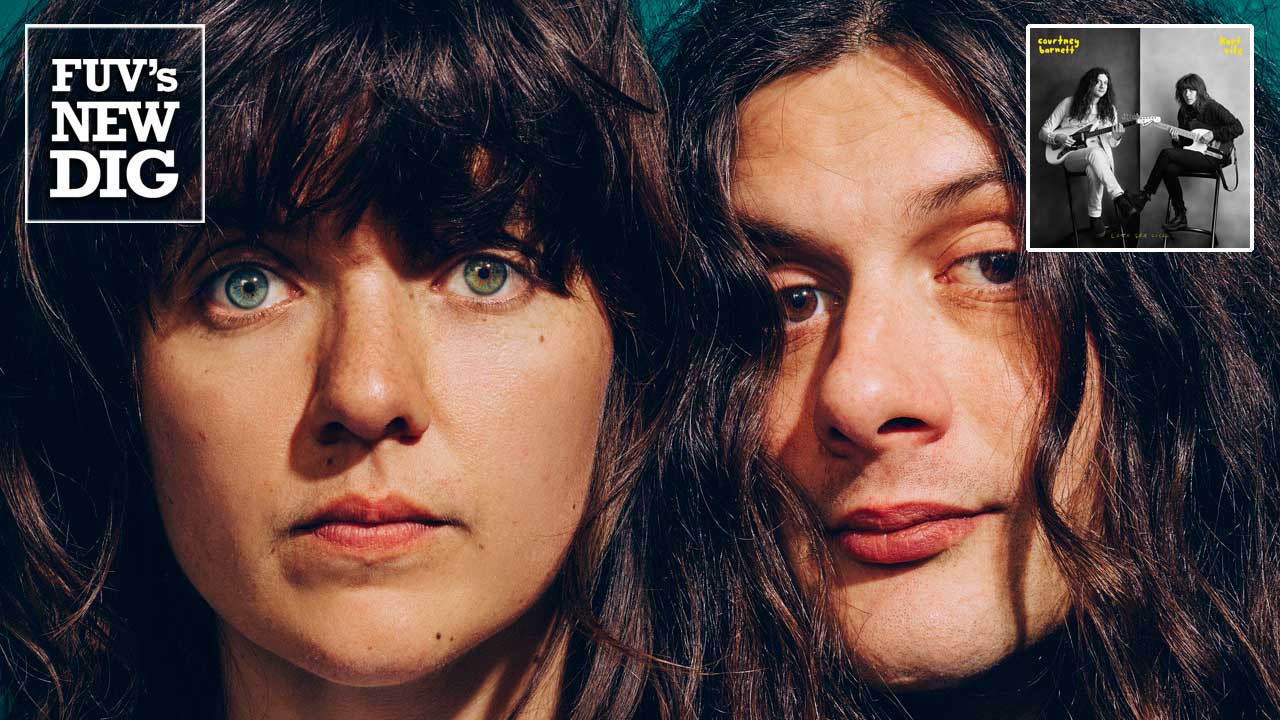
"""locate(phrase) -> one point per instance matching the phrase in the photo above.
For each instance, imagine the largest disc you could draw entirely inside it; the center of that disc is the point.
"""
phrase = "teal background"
(1264, 14)
(11, 11)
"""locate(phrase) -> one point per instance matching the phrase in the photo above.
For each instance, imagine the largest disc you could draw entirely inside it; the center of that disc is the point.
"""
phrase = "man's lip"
(891, 518)
(905, 533)
(367, 511)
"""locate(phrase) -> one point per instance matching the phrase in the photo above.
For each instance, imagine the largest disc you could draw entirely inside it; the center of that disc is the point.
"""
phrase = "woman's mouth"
(365, 525)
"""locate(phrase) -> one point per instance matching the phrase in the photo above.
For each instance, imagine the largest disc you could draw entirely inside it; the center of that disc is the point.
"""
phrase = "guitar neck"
(1177, 130)
(1107, 129)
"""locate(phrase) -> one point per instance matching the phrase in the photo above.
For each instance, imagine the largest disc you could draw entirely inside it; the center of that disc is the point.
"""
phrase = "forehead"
(864, 144)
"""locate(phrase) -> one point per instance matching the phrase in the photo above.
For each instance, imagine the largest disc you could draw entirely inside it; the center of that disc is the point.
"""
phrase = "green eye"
(484, 275)
(247, 287)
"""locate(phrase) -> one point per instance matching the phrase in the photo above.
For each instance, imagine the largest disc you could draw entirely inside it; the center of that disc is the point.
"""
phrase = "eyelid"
(784, 276)
(216, 282)
(996, 292)
(231, 255)
(975, 237)
(217, 310)
(785, 273)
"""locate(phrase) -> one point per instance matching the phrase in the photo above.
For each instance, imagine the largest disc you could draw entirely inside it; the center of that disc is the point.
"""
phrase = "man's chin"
(913, 666)
(915, 680)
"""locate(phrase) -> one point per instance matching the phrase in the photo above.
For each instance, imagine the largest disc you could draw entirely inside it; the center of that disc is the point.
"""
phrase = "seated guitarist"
(1196, 111)
(1093, 105)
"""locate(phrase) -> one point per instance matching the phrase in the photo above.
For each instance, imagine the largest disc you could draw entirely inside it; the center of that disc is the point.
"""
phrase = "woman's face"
(366, 466)
(907, 394)
(1189, 96)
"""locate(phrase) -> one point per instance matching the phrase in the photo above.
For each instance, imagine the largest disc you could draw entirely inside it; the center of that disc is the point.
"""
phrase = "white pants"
(1093, 161)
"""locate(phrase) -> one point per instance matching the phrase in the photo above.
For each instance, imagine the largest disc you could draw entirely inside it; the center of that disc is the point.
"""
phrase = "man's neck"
(1020, 688)
(490, 681)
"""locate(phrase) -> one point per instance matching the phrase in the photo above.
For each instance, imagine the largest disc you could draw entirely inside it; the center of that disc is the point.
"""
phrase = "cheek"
(520, 405)
(791, 434)
(787, 402)
(992, 377)
(218, 428)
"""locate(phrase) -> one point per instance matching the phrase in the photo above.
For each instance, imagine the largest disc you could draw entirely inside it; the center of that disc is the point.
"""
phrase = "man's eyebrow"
(945, 195)
(777, 241)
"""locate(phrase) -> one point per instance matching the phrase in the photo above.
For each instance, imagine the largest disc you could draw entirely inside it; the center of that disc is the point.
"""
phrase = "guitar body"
(1056, 155)
(1212, 148)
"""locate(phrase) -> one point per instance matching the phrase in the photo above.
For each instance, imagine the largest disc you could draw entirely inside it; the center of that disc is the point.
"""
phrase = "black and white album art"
(1140, 137)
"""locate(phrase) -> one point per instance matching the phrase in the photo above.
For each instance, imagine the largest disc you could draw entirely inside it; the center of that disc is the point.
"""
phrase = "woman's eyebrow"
(945, 195)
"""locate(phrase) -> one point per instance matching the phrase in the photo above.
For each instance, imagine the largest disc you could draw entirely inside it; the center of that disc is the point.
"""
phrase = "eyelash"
(226, 318)
(829, 301)
(518, 268)
(990, 289)
(824, 300)
(231, 319)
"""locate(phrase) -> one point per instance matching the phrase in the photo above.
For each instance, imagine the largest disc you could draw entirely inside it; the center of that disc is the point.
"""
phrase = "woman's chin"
(353, 654)
(371, 670)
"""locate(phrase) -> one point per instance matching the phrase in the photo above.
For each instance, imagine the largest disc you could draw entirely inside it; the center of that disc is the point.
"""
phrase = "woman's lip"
(364, 510)
(893, 535)
(370, 526)
(373, 536)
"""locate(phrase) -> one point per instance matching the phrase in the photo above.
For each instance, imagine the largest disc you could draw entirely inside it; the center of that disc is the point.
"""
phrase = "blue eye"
(247, 287)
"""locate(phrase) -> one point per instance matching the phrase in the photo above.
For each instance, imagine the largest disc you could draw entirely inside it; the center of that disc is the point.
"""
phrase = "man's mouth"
(905, 533)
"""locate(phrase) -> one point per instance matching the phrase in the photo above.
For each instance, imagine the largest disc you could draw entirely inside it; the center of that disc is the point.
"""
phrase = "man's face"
(1189, 96)
(369, 467)
(907, 395)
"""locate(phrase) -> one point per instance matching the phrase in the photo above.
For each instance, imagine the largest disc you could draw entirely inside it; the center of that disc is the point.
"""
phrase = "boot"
(1177, 220)
(1097, 228)
(1125, 209)
(1140, 200)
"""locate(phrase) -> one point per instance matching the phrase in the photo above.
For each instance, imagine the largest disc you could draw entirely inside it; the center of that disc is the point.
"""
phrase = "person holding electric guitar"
(1202, 142)
(1092, 107)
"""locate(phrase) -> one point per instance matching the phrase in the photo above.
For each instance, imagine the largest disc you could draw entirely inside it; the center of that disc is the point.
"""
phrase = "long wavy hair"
(1191, 81)
(1080, 101)
(332, 108)
(1174, 606)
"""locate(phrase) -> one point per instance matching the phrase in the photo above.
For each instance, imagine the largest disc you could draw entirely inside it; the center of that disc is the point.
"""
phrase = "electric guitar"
(1080, 138)
(1215, 149)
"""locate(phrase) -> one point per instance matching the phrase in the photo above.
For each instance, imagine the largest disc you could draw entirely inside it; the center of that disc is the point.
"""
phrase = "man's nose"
(882, 388)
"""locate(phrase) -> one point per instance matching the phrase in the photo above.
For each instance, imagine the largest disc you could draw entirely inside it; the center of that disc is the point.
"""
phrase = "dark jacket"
(1213, 116)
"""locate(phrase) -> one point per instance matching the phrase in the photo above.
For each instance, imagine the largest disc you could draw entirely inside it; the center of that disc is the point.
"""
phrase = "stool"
(1071, 203)
(1218, 182)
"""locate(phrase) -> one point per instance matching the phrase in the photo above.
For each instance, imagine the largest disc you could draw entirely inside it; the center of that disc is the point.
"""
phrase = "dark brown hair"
(1191, 81)
(317, 108)
(1106, 107)
(1175, 612)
